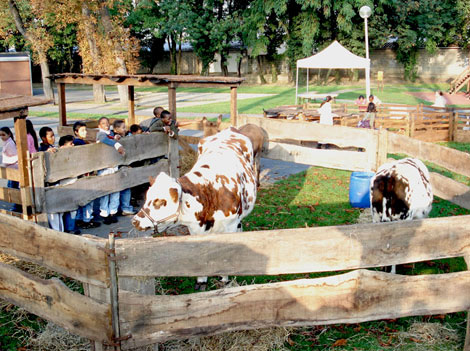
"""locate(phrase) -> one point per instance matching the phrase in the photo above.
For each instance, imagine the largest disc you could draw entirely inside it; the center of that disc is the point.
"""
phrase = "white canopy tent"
(334, 56)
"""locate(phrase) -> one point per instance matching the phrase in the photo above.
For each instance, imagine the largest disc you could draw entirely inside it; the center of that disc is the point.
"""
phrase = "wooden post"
(172, 100)
(62, 111)
(412, 124)
(233, 106)
(114, 290)
(466, 346)
(131, 105)
(22, 147)
(451, 125)
(382, 146)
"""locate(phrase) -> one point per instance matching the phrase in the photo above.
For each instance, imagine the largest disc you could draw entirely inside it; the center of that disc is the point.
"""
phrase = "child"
(135, 129)
(119, 128)
(326, 115)
(48, 139)
(369, 119)
(10, 159)
(68, 217)
(109, 204)
(84, 218)
(166, 124)
(32, 137)
(147, 125)
(80, 133)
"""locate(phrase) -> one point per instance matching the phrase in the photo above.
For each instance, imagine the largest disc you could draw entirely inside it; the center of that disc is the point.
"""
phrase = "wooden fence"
(120, 306)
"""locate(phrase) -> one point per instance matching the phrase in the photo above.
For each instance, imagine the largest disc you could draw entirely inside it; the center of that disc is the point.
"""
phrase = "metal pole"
(296, 84)
(367, 57)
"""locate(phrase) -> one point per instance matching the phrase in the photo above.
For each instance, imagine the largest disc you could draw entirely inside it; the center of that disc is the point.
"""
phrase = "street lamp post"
(365, 13)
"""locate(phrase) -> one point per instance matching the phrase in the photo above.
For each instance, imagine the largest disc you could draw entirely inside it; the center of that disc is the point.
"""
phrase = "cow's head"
(162, 204)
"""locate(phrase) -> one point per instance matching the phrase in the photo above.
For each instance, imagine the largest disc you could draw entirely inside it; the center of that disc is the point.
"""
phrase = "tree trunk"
(99, 95)
(273, 72)
(179, 55)
(118, 50)
(172, 47)
(46, 82)
(260, 70)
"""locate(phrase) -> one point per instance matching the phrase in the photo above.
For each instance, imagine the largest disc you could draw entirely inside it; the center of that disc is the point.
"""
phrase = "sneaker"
(76, 231)
(90, 225)
(114, 218)
(108, 220)
(129, 213)
(79, 223)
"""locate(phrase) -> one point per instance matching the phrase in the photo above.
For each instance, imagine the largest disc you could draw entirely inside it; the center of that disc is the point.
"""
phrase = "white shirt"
(326, 117)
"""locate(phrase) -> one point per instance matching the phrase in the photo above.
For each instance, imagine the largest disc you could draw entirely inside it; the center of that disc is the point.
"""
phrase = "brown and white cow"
(401, 190)
(213, 197)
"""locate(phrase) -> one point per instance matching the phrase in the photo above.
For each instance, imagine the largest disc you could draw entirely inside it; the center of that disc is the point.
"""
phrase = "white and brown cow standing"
(213, 197)
(401, 190)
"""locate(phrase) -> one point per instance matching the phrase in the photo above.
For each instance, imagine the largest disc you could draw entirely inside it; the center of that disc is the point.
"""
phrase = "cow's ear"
(151, 180)
(204, 121)
(219, 120)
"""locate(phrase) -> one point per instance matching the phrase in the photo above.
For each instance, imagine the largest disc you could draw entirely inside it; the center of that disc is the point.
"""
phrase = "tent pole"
(308, 69)
(367, 82)
(296, 84)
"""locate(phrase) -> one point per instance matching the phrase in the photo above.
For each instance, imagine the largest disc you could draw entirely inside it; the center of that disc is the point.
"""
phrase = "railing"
(122, 307)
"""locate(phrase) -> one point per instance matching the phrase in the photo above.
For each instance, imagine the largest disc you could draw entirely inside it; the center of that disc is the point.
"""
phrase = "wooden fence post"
(38, 170)
(467, 334)
(62, 109)
(382, 146)
(233, 106)
(22, 147)
(131, 105)
(412, 124)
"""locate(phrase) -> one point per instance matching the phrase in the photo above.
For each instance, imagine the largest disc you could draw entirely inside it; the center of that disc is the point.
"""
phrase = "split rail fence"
(120, 308)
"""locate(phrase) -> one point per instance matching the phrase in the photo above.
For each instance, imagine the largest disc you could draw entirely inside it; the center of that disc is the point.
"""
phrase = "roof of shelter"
(334, 56)
(146, 79)
(9, 102)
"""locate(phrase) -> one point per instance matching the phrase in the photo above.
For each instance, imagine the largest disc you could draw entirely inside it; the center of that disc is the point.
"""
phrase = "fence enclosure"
(120, 307)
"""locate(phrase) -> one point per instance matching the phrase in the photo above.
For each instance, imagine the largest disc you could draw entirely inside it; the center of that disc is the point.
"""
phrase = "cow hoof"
(200, 286)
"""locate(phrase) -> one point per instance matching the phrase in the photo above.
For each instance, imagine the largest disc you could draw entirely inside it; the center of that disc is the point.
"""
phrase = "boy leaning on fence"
(109, 204)
(119, 129)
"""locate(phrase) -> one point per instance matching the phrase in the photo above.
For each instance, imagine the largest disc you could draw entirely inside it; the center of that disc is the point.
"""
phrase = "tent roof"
(334, 56)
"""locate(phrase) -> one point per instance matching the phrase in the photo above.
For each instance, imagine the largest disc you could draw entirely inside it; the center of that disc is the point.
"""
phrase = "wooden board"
(53, 300)
(337, 135)
(298, 250)
(338, 159)
(353, 297)
(69, 197)
(10, 195)
(74, 161)
(9, 173)
(451, 190)
(453, 160)
(73, 256)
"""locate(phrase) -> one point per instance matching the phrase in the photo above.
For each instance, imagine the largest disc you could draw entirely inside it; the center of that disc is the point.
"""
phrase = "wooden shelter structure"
(146, 80)
(16, 106)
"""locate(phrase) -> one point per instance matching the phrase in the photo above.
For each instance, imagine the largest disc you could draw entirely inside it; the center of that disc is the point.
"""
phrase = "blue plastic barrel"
(359, 189)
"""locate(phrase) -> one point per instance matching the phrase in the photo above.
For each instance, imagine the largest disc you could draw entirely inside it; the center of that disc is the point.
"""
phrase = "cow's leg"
(257, 168)
(201, 284)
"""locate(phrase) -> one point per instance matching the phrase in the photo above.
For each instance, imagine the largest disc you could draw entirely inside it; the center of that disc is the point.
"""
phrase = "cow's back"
(220, 189)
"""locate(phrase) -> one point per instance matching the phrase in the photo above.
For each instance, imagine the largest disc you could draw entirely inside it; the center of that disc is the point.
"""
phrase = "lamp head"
(365, 12)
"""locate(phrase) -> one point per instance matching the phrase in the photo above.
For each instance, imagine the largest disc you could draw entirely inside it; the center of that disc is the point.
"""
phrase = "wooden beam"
(15, 113)
(338, 159)
(131, 104)
(300, 130)
(89, 158)
(22, 148)
(451, 190)
(10, 195)
(172, 100)
(38, 168)
(453, 160)
(353, 297)
(70, 197)
(53, 300)
(10, 174)
(62, 104)
(301, 250)
(74, 256)
(233, 106)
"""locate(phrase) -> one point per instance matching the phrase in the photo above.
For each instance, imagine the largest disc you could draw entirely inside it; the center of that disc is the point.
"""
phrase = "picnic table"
(313, 96)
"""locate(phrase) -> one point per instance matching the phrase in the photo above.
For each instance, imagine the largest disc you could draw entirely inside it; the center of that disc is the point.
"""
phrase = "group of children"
(110, 204)
(369, 109)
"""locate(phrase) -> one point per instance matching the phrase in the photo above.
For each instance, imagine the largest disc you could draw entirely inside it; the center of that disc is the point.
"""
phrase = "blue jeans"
(109, 204)
(85, 213)
(126, 201)
(14, 185)
(69, 221)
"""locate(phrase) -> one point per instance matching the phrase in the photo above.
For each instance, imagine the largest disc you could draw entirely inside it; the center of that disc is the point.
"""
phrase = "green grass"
(319, 197)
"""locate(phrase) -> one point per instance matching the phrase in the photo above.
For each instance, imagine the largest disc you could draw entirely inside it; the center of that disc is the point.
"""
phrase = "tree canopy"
(109, 35)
